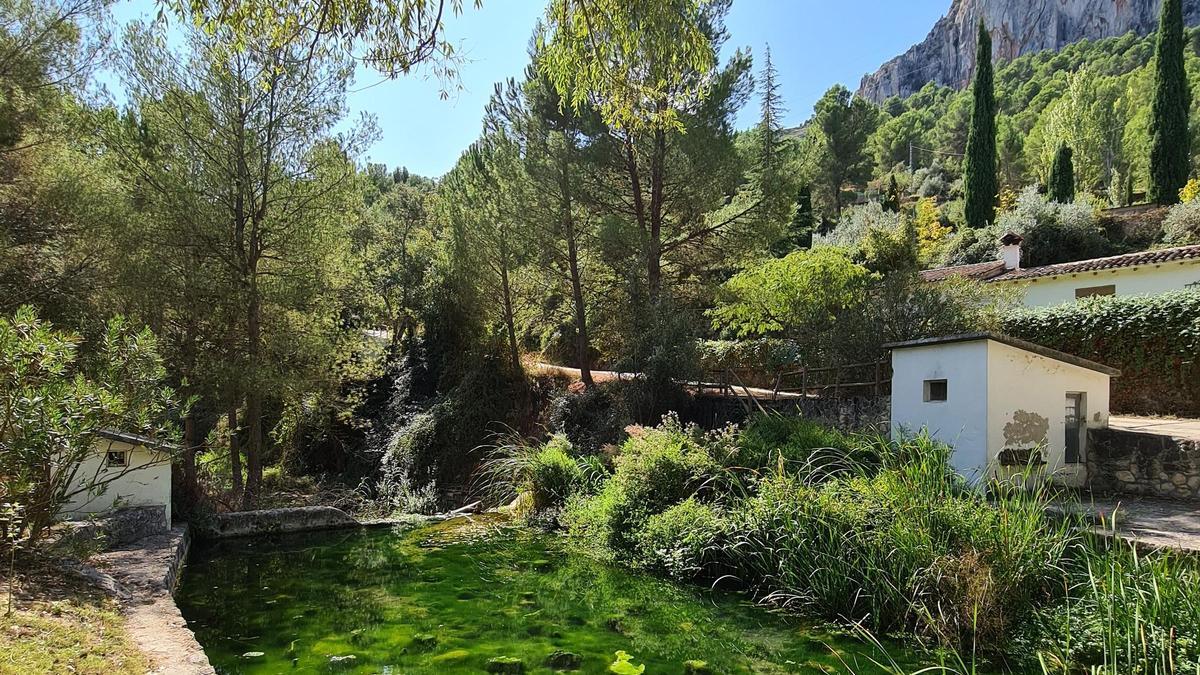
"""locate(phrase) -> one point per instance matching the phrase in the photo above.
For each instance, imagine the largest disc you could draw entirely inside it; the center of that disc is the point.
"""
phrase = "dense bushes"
(1053, 233)
(1181, 227)
(1153, 339)
(656, 469)
(893, 540)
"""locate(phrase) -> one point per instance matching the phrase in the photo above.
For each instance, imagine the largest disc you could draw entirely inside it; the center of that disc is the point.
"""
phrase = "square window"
(117, 459)
(935, 390)
(1090, 291)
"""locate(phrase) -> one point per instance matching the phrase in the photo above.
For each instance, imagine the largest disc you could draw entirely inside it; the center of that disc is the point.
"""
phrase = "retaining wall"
(1149, 465)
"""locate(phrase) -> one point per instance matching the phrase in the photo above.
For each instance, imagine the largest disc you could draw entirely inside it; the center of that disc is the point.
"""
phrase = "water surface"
(451, 597)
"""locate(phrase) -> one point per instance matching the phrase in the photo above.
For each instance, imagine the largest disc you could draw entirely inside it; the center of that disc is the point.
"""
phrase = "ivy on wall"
(1154, 340)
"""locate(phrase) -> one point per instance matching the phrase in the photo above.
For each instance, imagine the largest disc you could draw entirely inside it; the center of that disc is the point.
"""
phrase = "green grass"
(65, 628)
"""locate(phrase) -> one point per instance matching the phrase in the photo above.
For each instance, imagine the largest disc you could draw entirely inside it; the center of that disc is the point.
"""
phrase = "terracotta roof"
(1011, 342)
(1162, 255)
(994, 270)
(978, 271)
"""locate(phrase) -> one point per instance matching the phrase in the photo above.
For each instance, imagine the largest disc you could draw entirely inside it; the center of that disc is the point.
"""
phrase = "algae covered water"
(473, 596)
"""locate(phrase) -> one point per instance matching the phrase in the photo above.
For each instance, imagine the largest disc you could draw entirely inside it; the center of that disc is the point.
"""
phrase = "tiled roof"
(978, 271)
(994, 269)
(1159, 256)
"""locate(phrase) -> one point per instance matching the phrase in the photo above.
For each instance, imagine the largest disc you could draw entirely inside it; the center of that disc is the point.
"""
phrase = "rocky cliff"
(947, 54)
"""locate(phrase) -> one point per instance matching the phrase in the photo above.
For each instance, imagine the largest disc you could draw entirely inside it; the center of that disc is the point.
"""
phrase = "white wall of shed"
(961, 420)
(145, 482)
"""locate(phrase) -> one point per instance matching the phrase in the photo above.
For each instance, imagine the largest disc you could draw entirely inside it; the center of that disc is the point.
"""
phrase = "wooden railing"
(860, 379)
(873, 378)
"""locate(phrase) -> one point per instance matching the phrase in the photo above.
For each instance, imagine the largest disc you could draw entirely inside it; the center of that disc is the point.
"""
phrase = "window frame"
(928, 390)
(123, 463)
(1095, 291)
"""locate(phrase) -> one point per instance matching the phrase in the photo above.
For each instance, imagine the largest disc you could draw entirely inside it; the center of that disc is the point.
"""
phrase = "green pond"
(454, 597)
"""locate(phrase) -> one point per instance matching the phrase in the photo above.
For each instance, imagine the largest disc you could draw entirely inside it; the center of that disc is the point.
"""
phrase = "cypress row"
(979, 172)
(1169, 110)
(1061, 185)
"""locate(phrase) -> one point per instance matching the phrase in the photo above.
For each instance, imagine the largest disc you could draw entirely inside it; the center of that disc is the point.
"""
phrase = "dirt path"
(1163, 426)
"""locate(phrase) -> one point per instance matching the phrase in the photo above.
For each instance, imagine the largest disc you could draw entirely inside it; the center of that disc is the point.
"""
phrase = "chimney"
(1010, 250)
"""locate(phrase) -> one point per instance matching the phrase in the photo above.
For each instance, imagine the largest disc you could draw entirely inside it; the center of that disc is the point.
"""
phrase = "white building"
(125, 470)
(998, 400)
(1146, 272)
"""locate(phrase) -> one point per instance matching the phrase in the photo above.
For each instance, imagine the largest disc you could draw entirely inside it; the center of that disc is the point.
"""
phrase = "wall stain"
(1026, 428)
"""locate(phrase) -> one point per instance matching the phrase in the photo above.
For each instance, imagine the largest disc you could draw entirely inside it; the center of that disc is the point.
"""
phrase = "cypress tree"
(891, 200)
(1169, 110)
(1061, 185)
(979, 172)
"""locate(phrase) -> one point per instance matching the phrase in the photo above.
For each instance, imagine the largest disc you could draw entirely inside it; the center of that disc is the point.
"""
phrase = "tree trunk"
(509, 316)
(582, 345)
(654, 246)
(254, 398)
(191, 482)
(235, 450)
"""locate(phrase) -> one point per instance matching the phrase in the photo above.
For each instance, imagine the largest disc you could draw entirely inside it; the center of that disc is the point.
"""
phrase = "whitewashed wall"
(1146, 279)
(998, 397)
(146, 481)
(1023, 387)
(961, 420)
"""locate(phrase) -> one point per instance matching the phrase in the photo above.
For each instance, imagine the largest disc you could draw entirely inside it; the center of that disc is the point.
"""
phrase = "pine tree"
(1169, 150)
(979, 172)
(1061, 185)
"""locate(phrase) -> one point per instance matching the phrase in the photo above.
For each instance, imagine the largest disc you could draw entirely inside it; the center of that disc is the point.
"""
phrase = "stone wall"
(847, 414)
(271, 521)
(1150, 465)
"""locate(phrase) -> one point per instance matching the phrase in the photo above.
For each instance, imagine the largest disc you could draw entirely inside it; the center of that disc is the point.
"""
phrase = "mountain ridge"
(947, 54)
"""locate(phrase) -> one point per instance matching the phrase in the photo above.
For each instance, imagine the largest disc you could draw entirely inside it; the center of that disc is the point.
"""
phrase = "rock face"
(947, 55)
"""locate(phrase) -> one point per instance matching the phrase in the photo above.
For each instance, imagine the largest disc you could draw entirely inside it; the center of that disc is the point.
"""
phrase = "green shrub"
(592, 418)
(1127, 612)
(772, 438)
(1182, 224)
(684, 541)
(1151, 338)
(1053, 232)
(656, 469)
(553, 475)
(910, 548)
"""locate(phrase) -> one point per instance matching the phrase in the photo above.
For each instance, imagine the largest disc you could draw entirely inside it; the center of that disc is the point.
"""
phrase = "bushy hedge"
(1154, 340)
(766, 354)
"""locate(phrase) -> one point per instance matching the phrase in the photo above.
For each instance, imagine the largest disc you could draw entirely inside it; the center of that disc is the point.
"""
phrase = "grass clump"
(1127, 611)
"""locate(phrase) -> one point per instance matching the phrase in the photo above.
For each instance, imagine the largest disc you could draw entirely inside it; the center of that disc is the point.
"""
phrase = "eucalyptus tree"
(252, 181)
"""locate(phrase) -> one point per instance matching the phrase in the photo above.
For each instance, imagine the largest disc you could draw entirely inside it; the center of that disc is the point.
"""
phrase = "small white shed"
(126, 470)
(997, 400)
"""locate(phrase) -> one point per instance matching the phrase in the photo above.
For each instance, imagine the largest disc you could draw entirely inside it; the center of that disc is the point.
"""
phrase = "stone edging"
(145, 574)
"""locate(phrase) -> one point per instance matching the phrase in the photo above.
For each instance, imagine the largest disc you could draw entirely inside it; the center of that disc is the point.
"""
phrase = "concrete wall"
(146, 481)
(1146, 279)
(1027, 395)
(959, 421)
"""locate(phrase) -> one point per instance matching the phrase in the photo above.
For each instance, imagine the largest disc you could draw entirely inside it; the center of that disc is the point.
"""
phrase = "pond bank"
(145, 574)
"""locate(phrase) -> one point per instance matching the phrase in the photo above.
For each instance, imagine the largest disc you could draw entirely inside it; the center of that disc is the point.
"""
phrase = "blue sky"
(814, 43)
